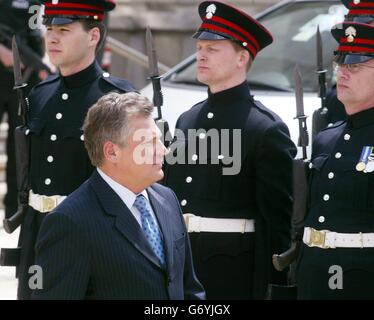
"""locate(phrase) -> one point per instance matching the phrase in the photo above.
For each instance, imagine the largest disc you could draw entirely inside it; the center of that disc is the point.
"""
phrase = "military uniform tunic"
(341, 200)
(235, 265)
(59, 160)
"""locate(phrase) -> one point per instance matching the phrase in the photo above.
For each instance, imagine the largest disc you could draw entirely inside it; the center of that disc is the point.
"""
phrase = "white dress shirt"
(126, 195)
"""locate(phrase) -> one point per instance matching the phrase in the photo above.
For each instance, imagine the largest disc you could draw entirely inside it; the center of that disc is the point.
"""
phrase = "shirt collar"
(126, 195)
(361, 119)
(79, 79)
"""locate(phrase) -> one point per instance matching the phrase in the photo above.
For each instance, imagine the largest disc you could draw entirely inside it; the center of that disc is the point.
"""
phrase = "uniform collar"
(227, 97)
(361, 119)
(83, 77)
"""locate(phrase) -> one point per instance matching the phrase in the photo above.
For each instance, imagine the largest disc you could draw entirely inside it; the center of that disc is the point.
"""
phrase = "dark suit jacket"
(92, 247)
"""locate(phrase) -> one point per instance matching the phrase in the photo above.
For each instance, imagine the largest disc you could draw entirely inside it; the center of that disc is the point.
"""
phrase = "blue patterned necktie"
(150, 228)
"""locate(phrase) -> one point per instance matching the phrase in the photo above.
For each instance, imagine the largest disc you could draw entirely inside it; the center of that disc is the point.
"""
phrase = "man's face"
(67, 45)
(140, 160)
(355, 86)
(217, 62)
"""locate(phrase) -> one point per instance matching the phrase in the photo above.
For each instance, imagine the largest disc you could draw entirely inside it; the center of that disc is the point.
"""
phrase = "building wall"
(172, 23)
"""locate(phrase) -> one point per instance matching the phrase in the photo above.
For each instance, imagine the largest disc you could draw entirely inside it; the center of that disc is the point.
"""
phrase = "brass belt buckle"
(48, 204)
(317, 238)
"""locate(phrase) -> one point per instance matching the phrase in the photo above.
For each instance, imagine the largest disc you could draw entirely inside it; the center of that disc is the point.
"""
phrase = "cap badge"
(350, 32)
(210, 11)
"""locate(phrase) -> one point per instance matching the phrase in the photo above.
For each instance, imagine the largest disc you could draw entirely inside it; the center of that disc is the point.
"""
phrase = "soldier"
(337, 260)
(236, 219)
(359, 11)
(59, 161)
(14, 19)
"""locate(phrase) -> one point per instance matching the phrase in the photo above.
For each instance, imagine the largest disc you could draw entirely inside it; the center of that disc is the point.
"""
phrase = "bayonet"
(19, 85)
(300, 116)
(321, 71)
(154, 75)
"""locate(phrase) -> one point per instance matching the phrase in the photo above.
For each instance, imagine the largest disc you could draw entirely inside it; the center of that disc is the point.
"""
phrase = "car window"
(294, 27)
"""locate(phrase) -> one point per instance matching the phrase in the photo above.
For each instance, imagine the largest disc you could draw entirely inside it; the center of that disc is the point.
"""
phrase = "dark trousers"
(27, 240)
(224, 264)
(314, 279)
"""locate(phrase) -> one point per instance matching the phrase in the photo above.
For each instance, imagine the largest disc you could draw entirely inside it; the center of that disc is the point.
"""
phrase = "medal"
(364, 158)
(369, 167)
(360, 166)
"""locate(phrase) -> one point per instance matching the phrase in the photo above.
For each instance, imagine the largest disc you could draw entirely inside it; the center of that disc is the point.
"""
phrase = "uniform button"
(202, 135)
(59, 116)
(183, 203)
(310, 165)
(53, 137)
(27, 132)
(330, 124)
(331, 175)
(326, 197)
(65, 96)
(321, 219)
(220, 157)
(338, 155)
(82, 137)
(189, 179)
(194, 157)
(210, 115)
(50, 159)
(47, 181)
(106, 75)
(347, 137)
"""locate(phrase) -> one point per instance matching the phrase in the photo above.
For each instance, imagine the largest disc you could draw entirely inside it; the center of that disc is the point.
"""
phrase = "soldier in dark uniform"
(337, 260)
(59, 161)
(359, 11)
(14, 18)
(236, 219)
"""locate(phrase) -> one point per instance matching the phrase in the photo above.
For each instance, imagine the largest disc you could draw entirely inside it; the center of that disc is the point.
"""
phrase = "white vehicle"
(293, 25)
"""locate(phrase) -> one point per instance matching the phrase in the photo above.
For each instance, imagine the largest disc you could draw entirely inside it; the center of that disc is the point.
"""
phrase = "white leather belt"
(200, 224)
(326, 239)
(44, 204)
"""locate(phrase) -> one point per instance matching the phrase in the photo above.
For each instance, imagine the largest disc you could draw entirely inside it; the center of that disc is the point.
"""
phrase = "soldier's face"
(139, 161)
(69, 46)
(219, 64)
(355, 87)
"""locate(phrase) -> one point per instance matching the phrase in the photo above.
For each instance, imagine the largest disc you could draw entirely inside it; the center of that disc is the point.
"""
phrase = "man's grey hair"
(109, 120)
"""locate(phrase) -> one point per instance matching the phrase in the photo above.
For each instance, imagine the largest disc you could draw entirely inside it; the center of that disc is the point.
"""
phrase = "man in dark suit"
(337, 258)
(237, 211)
(120, 235)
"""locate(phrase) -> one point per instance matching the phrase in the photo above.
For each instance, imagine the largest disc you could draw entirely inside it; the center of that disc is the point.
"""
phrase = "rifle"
(300, 183)
(22, 143)
(28, 56)
(320, 116)
(155, 77)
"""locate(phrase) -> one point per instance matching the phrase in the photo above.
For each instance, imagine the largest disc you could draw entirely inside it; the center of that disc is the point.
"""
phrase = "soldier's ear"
(244, 58)
(94, 34)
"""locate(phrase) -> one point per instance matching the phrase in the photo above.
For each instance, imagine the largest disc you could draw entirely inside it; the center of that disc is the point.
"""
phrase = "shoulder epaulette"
(334, 125)
(263, 109)
(121, 84)
(50, 79)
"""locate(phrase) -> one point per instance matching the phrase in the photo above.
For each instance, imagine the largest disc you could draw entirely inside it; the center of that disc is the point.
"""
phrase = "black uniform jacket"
(341, 196)
(59, 160)
(260, 190)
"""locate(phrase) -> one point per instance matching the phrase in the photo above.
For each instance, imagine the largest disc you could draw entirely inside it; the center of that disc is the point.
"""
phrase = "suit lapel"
(125, 222)
(161, 211)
